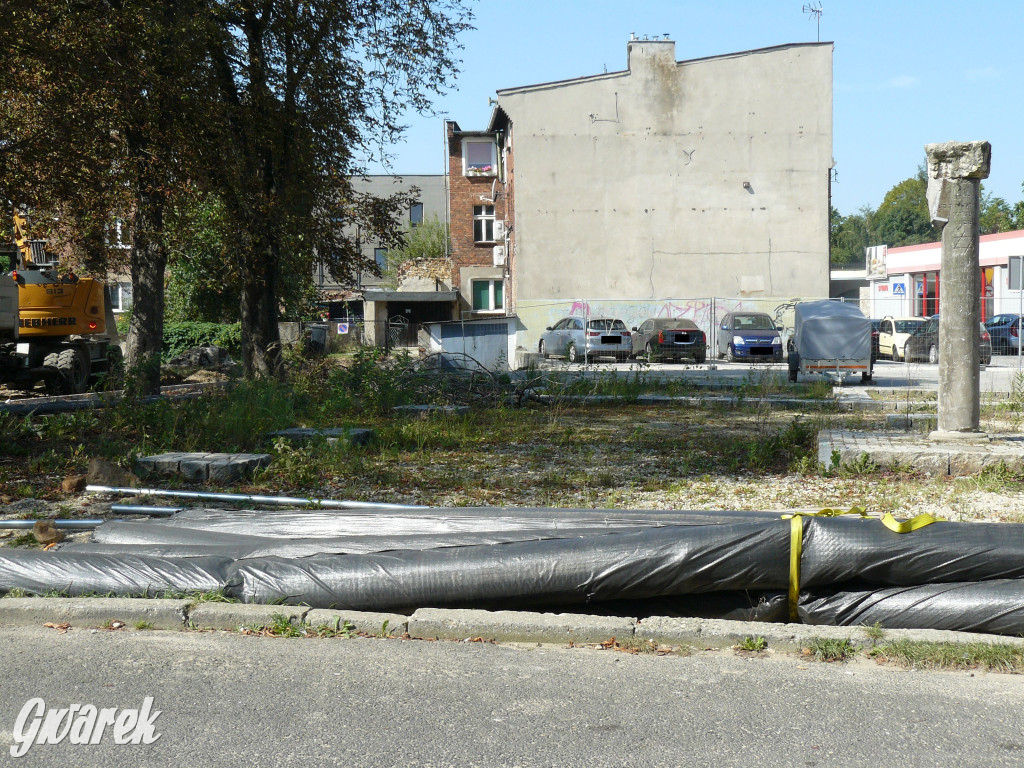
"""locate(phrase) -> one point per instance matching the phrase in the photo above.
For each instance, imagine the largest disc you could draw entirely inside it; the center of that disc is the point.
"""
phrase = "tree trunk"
(261, 337)
(148, 264)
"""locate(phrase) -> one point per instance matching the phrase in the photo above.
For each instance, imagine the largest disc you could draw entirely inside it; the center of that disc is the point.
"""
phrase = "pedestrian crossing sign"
(899, 289)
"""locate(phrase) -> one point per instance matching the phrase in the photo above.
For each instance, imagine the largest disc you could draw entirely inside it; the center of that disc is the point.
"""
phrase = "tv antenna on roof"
(813, 11)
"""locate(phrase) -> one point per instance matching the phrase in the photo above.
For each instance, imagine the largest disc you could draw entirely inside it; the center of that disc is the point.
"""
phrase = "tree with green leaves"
(304, 91)
(849, 236)
(425, 241)
(903, 217)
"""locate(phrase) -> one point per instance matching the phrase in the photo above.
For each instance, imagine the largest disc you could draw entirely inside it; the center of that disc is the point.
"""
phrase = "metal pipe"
(238, 498)
(136, 509)
(82, 524)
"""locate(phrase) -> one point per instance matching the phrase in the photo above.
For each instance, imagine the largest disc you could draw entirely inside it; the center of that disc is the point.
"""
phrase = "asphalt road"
(229, 700)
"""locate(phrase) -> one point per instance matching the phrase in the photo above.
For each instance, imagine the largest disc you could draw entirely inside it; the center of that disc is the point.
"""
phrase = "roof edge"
(624, 72)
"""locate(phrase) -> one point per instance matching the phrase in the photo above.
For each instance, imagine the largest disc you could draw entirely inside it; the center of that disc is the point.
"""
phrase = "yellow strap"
(796, 541)
(796, 548)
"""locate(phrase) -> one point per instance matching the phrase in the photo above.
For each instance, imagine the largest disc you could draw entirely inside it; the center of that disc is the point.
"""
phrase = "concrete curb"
(517, 626)
(442, 624)
(92, 611)
(234, 616)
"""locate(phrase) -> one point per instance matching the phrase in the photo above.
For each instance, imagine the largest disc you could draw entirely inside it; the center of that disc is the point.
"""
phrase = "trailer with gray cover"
(830, 339)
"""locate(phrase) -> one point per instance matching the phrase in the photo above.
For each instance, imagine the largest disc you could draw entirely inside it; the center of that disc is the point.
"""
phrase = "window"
(380, 255)
(416, 214)
(483, 223)
(120, 296)
(926, 294)
(478, 157)
(488, 295)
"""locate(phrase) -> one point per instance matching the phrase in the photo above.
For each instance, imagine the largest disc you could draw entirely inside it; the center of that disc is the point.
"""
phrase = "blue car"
(749, 336)
(1005, 333)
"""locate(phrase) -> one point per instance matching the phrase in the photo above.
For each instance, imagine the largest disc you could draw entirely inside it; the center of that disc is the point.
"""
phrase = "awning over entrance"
(410, 297)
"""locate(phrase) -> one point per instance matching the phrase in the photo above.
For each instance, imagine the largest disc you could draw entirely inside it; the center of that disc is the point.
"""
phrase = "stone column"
(955, 171)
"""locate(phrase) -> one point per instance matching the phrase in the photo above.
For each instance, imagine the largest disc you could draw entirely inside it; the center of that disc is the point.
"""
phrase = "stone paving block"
(931, 457)
(363, 621)
(518, 626)
(93, 611)
(229, 468)
(233, 616)
(161, 464)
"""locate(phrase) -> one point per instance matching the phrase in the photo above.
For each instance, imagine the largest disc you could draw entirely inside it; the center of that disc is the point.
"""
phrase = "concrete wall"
(632, 184)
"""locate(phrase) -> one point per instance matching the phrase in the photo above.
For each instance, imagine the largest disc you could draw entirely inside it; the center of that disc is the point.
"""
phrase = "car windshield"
(607, 324)
(754, 323)
(908, 326)
(670, 324)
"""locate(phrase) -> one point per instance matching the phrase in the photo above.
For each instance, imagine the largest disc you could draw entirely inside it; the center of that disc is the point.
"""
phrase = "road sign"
(899, 289)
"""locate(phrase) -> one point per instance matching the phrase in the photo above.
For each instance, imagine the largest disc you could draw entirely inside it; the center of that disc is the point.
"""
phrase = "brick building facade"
(480, 210)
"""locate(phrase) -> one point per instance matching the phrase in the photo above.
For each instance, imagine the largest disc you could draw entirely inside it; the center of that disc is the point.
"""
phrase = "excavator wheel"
(72, 365)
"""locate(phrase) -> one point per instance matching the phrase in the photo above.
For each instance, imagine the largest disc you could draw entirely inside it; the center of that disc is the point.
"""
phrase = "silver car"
(577, 338)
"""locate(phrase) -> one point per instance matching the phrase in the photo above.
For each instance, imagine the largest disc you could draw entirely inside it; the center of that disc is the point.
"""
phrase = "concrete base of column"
(946, 436)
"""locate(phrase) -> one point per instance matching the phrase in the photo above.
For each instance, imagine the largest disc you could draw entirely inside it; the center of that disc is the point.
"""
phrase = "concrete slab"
(912, 422)
(518, 626)
(93, 611)
(934, 458)
(233, 616)
(363, 621)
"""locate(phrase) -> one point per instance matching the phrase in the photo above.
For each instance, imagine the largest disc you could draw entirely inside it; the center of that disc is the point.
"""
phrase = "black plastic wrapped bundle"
(994, 606)
(670, 560)
(39, 573)
(839, 550)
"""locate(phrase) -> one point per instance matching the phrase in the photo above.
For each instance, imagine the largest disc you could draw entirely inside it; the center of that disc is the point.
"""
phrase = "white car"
(893, 334)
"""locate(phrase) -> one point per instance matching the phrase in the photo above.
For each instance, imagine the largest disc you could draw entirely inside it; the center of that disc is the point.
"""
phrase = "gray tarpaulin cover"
(635, 563)
(39, 573)
(831, 330)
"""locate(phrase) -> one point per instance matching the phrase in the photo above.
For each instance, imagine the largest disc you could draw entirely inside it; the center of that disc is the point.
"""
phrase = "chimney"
(645, 54)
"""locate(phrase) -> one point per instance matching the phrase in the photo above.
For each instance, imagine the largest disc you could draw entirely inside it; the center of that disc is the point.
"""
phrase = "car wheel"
(571, 355)
(543, 350)
(933, 354)
(700, 357)
(986, 361)
(650, 354)
(730, 355)
(895, 354)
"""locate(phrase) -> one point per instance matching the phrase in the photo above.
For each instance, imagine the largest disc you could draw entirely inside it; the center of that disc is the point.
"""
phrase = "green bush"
(181, 336)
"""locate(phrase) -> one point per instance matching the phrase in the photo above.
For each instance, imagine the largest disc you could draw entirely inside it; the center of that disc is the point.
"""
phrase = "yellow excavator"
(53, 327)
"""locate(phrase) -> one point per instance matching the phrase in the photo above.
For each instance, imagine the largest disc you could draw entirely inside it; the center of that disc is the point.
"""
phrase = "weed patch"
(916, 654)
(828, 649)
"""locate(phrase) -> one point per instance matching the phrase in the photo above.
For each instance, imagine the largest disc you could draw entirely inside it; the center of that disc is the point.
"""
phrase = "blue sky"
(905, 73)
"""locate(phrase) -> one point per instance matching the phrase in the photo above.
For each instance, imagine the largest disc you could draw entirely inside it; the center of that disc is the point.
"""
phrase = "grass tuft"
(921, 654)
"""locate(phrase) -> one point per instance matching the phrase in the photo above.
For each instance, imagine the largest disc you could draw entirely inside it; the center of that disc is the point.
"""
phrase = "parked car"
(893, 334)
(577, 338)
(1005, 333)
(662, 338)
(924, 344)
(749, 336)
(831, 338)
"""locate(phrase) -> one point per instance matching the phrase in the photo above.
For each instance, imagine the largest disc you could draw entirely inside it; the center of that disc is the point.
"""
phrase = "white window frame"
(486, 215)
(491, 281)
(477, 170)
(121, 293)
